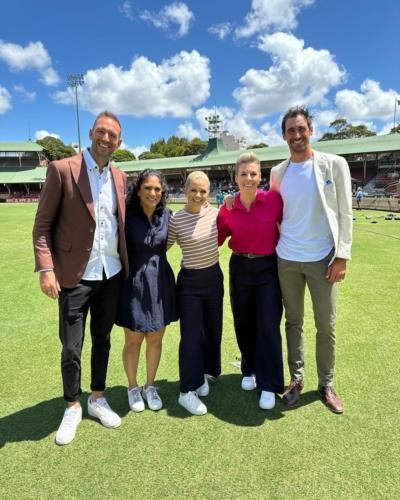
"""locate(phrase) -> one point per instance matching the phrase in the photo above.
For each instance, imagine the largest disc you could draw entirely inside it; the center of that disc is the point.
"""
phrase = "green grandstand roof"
(217, 157)
(27, 146)
(23, 176)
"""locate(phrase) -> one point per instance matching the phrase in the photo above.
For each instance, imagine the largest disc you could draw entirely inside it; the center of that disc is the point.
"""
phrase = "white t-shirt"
(305, 232)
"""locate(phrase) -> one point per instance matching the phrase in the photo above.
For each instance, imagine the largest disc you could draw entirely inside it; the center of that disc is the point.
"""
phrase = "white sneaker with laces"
(204, 389)
(100, 409)
(150, 395)
(192, 403)
(135, 400)
(267, 400)
(69, 424)
(249, 383)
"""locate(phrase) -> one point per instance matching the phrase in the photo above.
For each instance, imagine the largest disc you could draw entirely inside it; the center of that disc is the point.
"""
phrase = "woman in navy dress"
(147, 302)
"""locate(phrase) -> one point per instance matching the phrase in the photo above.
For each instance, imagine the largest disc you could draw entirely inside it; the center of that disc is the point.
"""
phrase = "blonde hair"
(197, 175)
(246, 158)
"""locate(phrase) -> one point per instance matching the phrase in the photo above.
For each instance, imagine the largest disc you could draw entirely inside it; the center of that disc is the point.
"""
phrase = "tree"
(148, 155)
(176, 146)
(56, 148)
(345, 130)
(257, 146)
(123, 155)
(395, 130)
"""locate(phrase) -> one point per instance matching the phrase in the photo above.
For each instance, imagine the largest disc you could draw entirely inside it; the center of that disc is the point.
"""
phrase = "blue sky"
(162, 66)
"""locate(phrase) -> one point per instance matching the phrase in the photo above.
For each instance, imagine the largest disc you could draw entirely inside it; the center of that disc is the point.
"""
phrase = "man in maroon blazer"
(80, 254)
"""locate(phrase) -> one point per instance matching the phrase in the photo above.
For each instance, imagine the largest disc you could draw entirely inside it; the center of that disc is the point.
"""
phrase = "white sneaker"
(192, 403)
(249, 383)
(135, 400)
(267, 400)
(100, 409)
(150, 395)
(204, 389)
(69, 424)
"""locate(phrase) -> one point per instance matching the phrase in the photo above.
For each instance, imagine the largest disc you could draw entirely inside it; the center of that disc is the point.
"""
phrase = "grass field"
(236, 450)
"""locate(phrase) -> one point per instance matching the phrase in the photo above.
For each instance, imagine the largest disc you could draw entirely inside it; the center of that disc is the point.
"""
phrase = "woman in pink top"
(252, 225)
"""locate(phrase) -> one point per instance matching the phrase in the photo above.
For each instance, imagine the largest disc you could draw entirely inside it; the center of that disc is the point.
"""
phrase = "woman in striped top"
(200, 293)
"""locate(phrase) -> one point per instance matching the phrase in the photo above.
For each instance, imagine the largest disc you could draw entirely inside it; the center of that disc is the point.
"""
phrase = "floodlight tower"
(76, 80)
(214, 125)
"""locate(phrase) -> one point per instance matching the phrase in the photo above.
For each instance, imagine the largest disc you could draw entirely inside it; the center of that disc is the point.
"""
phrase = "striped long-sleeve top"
(197, 236)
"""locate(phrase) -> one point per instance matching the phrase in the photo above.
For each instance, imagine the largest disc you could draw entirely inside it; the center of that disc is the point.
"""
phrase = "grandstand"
(22, 171)
(374, 164)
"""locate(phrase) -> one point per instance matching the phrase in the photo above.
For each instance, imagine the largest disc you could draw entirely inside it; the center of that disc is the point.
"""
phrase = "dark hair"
(296, 111)
(108, 114)
(133, 202)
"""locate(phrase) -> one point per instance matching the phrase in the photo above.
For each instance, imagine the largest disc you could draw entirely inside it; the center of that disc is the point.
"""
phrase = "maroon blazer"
(64, 226)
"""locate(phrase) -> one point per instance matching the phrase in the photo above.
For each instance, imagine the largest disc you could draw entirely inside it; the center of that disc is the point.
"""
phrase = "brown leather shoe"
(331, 399)
(291, 396)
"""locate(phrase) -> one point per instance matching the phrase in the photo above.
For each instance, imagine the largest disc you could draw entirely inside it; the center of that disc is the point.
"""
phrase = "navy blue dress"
(147, 301)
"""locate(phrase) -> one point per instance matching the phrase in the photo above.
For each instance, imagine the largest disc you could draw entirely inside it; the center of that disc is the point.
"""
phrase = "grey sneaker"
(150, 395)
(135, 400)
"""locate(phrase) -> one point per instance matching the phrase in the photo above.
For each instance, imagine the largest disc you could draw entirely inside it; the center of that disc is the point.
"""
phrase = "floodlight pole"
(76, 80)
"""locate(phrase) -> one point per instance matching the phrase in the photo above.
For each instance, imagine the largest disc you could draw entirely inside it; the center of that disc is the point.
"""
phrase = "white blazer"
(333, 178)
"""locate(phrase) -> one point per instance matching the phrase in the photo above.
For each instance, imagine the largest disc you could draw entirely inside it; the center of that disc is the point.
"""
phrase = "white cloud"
(271, 15)
(26, 95)
(175, 13)
(371, 103)
(32, 57)
(297, 75)
(220, 30)
(236, 123)
(138, 150)
(5, 100)
(126, 10)
(41, 134)
(188, 131)
(171, 88)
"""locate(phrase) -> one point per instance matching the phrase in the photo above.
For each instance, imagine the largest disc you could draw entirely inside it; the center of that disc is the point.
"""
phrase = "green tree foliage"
(174, 146)
(395, 130)
(123, 155)
(56, 148)
(257, 146)
(148, 155)
(345, 130)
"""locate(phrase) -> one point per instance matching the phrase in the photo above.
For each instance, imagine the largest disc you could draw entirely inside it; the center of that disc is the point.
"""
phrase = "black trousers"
(101, 298)
(257, 311)
(200, 301)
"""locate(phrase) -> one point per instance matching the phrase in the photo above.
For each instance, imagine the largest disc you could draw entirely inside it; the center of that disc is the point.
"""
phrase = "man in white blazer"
(313, 250)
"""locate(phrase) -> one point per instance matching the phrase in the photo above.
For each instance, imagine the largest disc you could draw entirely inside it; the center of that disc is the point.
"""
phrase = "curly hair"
(295, 111)
(133, 202)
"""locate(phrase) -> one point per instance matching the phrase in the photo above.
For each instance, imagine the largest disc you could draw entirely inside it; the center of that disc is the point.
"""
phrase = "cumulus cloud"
(32, 57)
(220, 30)
(267, 15)
(41, 134)
(298, 75)
(5, 100)
(372, 102)
(25, 94)
(237, 124)
(126, 10)
(188, 131)
(176, 13)
(171, 88)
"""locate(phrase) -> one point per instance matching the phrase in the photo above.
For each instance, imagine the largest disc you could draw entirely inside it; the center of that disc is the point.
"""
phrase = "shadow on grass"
(226, 401)
(306, 398)
(39, 421)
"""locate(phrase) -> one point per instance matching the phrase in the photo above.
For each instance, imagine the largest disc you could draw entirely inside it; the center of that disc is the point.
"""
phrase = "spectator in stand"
(252, 225)
(200, 293)
(359, 197)
(147, 300)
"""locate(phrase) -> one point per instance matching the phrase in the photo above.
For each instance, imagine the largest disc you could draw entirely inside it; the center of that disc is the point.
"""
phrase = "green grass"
(236, 451)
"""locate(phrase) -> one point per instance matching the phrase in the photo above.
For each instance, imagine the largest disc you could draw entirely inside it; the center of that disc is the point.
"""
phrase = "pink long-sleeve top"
(252, 231)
